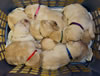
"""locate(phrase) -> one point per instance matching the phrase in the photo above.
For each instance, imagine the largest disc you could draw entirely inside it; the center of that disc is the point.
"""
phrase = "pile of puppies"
(42, 37)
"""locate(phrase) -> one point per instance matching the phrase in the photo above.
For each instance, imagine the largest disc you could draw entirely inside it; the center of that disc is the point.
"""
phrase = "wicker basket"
(22, 70)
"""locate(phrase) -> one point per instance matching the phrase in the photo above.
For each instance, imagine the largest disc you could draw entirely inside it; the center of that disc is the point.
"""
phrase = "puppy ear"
(51, 23)
(11, 21)
(54, 25)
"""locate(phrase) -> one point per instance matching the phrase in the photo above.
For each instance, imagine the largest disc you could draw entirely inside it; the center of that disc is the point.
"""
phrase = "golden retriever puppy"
(80, 24)
(42, 12)
(21, 32)
(47, 44)
(86, 55)
(62, 55)
(78, 56)
(22, 46)
(42, 28)
(15, 16)
(18, 52)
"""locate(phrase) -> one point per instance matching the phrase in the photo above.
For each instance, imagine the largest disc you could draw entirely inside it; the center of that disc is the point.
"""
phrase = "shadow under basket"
(76, 69)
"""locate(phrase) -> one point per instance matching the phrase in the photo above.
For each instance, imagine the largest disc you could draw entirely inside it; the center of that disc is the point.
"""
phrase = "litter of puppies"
(47, 38)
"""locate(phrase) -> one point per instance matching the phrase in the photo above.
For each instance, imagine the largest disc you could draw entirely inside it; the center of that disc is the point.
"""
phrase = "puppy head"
(22, 24)
(77, 48)
(43, 28)
(47, 44)
(47, 27)
(15, 16)
(50, 23)
(21, 30)
(30, 10)
(35, 29)
(73, 33)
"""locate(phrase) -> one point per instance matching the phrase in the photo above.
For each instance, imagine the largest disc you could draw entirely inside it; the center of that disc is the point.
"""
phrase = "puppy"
(21, 32)
(18, 53)
(22, 46)
(15, 16)
(85, 57)
(47, 44)
(59, 56)
(86, 54)
(42, 28)
(42, 12)
(80, 24)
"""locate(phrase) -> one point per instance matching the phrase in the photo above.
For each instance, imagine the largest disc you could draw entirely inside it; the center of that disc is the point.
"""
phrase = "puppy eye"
(55, 23)
(26, 20)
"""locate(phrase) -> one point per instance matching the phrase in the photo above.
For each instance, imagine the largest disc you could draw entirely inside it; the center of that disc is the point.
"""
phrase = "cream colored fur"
(18, 52)
(77, 13)
(45, 13)
(22, 46)
(47, 44)
(15, 16)
(58, 56)
(21, 32)
(42, 28)
(59, 35)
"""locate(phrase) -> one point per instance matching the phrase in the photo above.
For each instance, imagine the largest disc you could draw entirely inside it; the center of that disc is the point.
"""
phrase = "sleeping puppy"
(18, 53)
(86, 54)
(21, 32)
(42, 12)
(15, 16)
(80, 24)
(62, 55)
(42, 28)
(22, 46)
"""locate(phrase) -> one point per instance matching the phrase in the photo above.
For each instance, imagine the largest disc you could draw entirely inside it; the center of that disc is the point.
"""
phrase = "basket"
(71, 69)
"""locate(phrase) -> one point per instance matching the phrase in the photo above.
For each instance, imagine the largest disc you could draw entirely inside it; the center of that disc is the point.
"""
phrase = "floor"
(71, 70)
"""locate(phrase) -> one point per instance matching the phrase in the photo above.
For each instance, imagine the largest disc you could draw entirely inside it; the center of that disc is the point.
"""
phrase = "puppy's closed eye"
(26, 20)
(26, 23)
